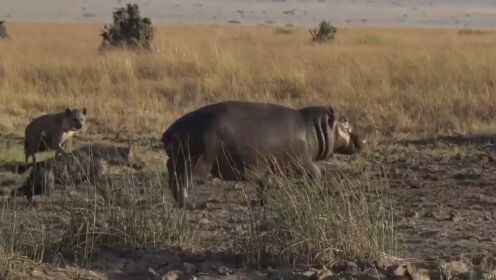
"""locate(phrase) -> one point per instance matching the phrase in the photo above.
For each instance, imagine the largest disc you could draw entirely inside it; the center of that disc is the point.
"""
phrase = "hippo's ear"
(331, 110)
(67, 111)
(84, 111)
(332, 116)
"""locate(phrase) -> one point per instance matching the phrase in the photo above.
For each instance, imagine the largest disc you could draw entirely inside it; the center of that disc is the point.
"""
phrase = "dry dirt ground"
(444, 198)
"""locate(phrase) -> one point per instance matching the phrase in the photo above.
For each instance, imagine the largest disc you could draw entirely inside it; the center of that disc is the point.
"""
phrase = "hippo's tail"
(166, 141)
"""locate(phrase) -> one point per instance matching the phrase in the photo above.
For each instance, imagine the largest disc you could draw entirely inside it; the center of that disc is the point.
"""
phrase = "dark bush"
(128, 30)
(325, 32)
(3, 30)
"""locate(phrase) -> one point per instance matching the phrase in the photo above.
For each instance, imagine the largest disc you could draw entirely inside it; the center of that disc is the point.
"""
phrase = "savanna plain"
(418, 203)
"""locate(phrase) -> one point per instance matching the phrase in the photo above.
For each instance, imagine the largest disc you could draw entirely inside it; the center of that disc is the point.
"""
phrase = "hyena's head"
(74, 119)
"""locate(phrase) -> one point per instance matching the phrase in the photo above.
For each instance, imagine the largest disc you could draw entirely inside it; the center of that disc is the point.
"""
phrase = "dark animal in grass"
(85, 164)
(52, 131)
(243, 141)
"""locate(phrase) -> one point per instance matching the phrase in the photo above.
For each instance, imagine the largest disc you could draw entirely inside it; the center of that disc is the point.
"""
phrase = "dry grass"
(392, 80)
(334, 219)
(134, 213)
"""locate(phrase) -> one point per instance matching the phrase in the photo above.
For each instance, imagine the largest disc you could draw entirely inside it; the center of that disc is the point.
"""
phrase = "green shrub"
(128, 29)
(3, 30)
(325, 32)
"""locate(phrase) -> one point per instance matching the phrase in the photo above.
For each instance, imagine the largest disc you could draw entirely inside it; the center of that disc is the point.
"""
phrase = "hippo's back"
(236, 123)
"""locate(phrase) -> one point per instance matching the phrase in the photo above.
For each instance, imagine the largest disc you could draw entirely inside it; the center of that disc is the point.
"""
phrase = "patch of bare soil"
(444, 199)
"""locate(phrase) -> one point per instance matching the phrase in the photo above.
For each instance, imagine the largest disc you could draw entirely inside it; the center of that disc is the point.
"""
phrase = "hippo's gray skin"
(242, 141)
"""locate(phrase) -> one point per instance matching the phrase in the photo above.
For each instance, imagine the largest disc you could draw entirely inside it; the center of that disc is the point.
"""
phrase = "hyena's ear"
(84, 111)
(67, 111)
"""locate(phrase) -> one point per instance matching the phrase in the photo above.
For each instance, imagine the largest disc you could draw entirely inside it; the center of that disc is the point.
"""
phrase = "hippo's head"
(346, 140)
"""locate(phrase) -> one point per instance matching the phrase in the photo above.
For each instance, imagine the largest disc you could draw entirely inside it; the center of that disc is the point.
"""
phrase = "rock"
(37, 273)
(322, 274)
(204, 221)
(308, 273)
(456, 216)
(348, 267)
(285, 275)
(487, 216)
(189, 268)
(441, 215)
(454, 267)
(420, 274)
(399, 270)
(153, 271)
(177, 275)
(488, 264)
(374, 274)
(222, 270)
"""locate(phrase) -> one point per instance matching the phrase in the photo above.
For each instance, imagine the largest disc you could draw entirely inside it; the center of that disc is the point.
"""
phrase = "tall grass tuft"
(130, 210)
(312, 221)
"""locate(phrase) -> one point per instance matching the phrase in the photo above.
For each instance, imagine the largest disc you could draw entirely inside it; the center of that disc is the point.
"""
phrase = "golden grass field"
(398, 201)
(415, 81)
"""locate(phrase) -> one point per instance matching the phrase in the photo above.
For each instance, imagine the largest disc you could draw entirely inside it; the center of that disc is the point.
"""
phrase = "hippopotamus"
(244, 141)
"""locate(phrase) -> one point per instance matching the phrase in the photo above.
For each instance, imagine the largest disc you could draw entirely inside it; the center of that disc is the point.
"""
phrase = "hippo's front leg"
(312, 169)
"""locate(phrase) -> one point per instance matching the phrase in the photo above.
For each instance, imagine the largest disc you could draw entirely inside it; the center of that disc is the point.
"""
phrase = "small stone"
(177, 275)
(172, 275)
(420, 274)
(322, 274)
(347, 267)
(308, 273)
(37, 273)
(400, 270)
(487, 216)
(441, 215)
(456, 217)
(374, 274)
(153, 271)
(455, 267)
(491, 158)
(189, 268)
(488, 264)
(222, 270)
(204, 221)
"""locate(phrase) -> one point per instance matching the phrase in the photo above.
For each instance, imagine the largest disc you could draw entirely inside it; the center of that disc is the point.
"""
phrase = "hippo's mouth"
(355, 145)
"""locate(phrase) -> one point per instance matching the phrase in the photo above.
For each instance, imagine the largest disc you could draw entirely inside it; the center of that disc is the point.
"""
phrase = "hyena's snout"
(77, 124)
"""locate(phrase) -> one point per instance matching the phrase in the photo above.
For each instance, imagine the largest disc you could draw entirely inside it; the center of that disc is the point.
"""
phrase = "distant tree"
(3, 30)
(325, 32)
(128, 29)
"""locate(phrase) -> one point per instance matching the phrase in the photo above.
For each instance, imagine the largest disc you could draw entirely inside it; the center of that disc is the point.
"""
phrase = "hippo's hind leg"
(176, 179)
(182, 175)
